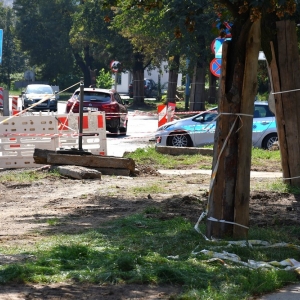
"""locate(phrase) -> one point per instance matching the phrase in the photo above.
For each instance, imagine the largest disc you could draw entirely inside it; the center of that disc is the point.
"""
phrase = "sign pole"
(81, 115)
(116, 81)
(1, 43)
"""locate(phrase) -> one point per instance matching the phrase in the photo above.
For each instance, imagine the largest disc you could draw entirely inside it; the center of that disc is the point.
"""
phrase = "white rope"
(228, 222)
(288, 91)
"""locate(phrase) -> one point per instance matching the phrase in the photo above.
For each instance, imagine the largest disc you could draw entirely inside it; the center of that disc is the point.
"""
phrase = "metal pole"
(81, 114)
(116, 81)
(5, 103)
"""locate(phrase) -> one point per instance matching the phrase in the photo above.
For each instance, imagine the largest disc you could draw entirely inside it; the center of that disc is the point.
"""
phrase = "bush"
(104, 80)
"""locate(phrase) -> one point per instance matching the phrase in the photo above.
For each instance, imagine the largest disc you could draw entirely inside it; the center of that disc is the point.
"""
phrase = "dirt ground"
(86, 204)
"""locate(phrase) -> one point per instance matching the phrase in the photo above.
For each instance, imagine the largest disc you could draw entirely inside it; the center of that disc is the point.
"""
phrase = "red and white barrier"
(1, 96)
(162, 114)
(20, 135)
(14, 105)
(16, 150)
(93, 130)
(165, 113)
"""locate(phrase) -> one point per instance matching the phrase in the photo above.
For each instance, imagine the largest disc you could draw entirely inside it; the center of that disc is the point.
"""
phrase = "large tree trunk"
(230, 186)
(285, 71)
(84, 65)
(212, 92)
(173, 78)
(197, 97)
(138, 79)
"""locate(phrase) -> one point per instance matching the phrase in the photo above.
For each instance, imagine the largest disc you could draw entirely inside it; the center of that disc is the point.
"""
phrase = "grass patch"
(53, 222)
(264, 157)
(150, 188)
(137, 249)
(276, 185)
(150, 156)
(26, 176)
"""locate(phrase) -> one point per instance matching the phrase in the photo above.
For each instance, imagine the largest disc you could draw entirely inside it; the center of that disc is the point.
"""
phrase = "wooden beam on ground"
(94, 161)
(107, 165)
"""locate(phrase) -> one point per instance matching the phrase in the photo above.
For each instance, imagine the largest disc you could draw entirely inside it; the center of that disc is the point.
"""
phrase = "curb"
(253, 174)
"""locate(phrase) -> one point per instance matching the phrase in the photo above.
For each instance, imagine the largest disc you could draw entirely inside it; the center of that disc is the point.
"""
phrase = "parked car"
(199, 130)
(95, 99)
(35, 92)
(150, 88)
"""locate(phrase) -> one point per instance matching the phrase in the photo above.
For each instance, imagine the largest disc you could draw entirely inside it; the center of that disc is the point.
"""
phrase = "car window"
(39, 90)
(205, 117)
(94, 96)
(118, 98)
(262, 111)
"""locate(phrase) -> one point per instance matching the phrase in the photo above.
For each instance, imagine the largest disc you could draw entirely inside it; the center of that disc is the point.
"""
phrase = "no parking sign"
(215, 66)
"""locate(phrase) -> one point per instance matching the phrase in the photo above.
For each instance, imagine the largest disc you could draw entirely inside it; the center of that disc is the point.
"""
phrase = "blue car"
(199, 130)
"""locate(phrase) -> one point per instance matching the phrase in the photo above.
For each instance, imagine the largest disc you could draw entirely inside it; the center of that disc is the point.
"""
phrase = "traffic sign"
(1, 42)
(218, 47)
(212, 46)
(115, 65)
(215, 66)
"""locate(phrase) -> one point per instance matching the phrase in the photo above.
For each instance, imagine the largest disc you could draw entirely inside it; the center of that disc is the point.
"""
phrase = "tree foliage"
(13, 61)
(42, 29)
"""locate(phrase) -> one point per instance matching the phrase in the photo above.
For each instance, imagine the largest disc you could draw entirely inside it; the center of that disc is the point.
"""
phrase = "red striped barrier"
(1, 96)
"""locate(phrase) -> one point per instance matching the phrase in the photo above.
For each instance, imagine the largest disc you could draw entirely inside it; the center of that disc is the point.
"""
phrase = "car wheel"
(268, 141)
(179, 140)
(123, 130)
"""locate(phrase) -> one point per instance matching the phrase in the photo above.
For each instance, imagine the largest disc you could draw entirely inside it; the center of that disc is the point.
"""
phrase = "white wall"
(153, 74)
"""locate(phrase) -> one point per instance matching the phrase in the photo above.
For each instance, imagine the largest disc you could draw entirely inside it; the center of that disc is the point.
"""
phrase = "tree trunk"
(212, 93)
(285, 71)
(173, 78)
(138, 79)
(197, 97)
(84, 65)
(230, 186)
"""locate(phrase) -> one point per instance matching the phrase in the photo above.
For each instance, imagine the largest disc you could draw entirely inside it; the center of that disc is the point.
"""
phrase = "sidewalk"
(208, 172)
(291, 292)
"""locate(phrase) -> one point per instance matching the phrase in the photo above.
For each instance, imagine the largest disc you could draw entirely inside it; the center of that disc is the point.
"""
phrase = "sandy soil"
(85, 204)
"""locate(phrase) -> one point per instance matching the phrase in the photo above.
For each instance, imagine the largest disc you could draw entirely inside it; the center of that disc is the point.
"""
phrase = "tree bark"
(138, 79)
(84, 65)
(197, 97)
(230, 187)
(212, 92)
(287, 103)
(173, 78)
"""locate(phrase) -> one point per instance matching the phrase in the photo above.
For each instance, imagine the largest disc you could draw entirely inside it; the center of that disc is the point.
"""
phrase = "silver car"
(34, 93)
(199, 130)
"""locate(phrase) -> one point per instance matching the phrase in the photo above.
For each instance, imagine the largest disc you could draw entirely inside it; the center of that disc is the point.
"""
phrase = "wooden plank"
(215, 200)
(40, 155)
(289, 65)
(242, 191)
(274, 75)
(92, 161)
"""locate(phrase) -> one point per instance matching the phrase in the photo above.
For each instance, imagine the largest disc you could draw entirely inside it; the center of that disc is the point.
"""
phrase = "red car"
(94, 99)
